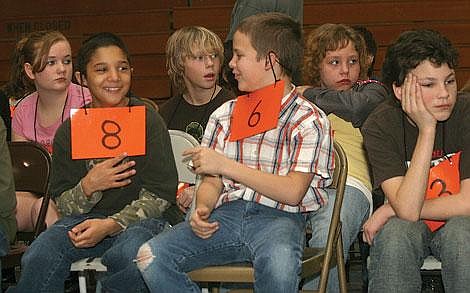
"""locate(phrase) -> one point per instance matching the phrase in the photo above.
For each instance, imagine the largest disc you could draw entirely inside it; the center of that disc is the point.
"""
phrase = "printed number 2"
(443, 190)
(110, 140)
(254, 115)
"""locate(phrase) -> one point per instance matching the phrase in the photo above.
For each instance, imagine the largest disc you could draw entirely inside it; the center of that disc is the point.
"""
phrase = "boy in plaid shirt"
(250, 204)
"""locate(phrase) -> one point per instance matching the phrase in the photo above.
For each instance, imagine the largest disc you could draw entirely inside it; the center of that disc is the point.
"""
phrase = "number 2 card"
(107, 132)
(257, 111)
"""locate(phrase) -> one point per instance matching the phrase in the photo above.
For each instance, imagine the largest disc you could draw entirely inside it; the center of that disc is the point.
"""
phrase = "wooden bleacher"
(145, 26)
(215, 18)
(59, 7)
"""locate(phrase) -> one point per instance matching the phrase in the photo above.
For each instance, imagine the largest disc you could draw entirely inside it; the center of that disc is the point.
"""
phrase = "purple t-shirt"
(23, 117)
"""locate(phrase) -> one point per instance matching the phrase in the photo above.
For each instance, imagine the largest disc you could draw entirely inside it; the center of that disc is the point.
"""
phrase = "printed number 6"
(254, 115)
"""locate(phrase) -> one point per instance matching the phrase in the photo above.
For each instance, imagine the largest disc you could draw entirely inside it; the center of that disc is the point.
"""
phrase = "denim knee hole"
(144, 257)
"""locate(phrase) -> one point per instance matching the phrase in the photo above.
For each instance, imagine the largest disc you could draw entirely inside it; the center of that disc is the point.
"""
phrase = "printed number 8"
(110, 135)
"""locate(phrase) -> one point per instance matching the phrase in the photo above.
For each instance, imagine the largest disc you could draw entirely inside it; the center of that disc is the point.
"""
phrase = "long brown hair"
(32, 49)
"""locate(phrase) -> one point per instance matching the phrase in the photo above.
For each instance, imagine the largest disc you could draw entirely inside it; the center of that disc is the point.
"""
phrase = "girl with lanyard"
(41, 73)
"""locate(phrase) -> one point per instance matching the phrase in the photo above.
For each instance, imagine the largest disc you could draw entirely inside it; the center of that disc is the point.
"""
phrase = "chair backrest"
(334, 242)
(149, 102)
(181, 141)
(341, 169)
(31, 164)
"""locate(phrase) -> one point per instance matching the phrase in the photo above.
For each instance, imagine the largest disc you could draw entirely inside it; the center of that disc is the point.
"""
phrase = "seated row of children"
(276, 177)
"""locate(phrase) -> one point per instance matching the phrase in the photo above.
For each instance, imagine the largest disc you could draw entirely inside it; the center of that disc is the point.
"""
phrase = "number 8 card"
(107, 132)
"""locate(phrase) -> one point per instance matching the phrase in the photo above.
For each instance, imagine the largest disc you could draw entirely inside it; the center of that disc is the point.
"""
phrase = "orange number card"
(107, 132)
(444, 179)
(257, 111)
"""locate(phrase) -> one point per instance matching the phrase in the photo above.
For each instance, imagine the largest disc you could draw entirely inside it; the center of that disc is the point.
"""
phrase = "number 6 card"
(256, 112)
(107, 132)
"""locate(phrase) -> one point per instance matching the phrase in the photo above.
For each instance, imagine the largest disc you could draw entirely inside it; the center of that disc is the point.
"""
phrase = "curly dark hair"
(413, 47)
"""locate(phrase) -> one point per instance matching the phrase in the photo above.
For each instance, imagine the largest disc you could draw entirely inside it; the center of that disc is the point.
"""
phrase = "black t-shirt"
(390, 139)
(180, 115)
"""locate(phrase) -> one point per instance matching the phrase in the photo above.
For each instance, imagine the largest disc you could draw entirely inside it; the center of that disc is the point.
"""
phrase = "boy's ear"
(271, 56)
(80, 78)
(397, 91)
(28, 69)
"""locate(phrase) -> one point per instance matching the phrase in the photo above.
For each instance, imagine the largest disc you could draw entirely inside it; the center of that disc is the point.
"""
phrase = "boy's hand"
(108, 174)
(413, 105)
(375, 223)
(200, 224)
(206, 160)
(90, 232)
(185, 198)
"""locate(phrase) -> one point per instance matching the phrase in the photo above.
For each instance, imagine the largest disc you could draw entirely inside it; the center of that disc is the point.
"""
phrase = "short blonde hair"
(182, 44)
(330, 37)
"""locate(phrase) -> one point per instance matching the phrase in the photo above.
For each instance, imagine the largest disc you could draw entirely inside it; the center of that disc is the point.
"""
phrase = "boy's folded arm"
(288, 189)
(208, 191)
(351, 105)
(445, 207)
(441, 208)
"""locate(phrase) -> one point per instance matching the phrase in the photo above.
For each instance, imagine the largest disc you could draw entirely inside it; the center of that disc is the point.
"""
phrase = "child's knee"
(144, 257)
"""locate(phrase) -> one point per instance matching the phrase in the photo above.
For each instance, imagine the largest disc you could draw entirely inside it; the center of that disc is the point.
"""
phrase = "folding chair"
(181, 141)
(314, 261)
(31, 165)
(149, 102)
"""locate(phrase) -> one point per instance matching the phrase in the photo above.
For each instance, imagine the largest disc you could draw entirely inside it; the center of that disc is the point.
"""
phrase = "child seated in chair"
(109, 206)
(418, 145)
(194, 56)
(335, 64)
(257, 186)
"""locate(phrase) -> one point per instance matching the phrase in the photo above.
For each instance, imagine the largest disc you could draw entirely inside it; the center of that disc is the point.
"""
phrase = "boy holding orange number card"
(265, 159)
(111, 200)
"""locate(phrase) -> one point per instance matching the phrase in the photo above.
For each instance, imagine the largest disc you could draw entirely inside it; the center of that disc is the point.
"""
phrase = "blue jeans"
(46, 264)
(4, 247)
(248, 232)
(400, 248)
(354, 212)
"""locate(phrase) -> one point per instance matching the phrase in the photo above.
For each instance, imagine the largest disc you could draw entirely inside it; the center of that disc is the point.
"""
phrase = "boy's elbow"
(410, 216)
(296, 197)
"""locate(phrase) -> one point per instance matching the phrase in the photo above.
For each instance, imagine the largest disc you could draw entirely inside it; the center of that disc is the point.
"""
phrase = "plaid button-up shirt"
(301, 142)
